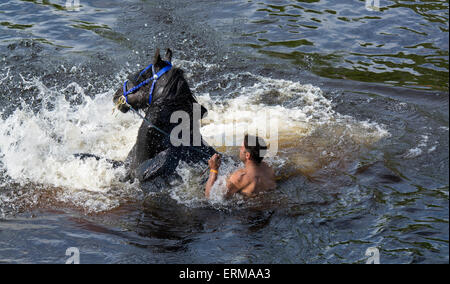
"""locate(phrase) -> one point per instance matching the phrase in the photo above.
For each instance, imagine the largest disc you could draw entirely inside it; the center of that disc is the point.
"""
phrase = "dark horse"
(153, 155)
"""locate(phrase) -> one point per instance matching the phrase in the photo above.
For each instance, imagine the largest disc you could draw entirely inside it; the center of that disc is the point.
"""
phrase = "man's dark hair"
(256, 147)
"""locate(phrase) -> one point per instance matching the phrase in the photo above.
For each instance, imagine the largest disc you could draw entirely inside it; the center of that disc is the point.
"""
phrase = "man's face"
(242, 153)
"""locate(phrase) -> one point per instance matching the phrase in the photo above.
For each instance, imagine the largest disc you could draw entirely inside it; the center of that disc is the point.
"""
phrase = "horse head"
(159, 96)
(140, 98)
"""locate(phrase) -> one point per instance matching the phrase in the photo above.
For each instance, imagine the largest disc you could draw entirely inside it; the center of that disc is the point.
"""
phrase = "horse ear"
(157, 57)
(168, 55)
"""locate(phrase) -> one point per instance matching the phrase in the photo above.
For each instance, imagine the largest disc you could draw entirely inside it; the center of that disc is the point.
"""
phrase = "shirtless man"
(256, 177)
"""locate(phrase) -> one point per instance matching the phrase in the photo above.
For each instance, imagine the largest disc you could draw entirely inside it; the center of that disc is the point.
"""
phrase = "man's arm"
(235, 183)
(209, 184)
(214, 164)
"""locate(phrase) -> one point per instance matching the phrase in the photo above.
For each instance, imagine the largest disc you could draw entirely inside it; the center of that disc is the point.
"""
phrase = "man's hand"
(214, 165)
(214, 162)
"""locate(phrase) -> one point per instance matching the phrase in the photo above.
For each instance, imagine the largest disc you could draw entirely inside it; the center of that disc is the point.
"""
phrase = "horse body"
(153, 154)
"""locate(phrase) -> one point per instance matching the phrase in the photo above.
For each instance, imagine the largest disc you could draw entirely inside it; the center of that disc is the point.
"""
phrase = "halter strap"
(154, 78)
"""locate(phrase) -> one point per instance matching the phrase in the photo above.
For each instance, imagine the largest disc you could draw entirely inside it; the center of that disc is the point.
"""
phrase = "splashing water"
(310, 134)
(37, 147)
(307, 126)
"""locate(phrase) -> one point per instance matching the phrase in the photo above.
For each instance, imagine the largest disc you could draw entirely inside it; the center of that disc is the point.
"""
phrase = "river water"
(359, 98)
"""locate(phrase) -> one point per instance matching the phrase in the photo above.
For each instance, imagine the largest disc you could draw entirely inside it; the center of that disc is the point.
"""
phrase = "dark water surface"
(363, 148)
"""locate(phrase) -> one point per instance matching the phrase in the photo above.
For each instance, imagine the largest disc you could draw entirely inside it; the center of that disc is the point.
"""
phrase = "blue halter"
(155, 77)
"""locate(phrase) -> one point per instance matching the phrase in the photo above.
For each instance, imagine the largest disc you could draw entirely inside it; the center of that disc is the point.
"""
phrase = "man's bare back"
(256, 177)
(251, 180)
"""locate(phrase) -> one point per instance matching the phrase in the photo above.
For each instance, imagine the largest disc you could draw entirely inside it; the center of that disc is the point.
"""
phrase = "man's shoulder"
(239, 178)
(238, 175)
(236, 181)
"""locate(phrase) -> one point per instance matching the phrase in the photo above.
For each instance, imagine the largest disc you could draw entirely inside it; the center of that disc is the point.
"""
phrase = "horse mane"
(177, 93)
(177, 87)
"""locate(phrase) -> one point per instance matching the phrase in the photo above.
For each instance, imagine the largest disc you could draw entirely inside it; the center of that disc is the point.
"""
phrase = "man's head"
(252, 149)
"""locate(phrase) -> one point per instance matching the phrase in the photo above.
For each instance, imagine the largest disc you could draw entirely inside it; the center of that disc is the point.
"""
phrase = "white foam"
(193, 64)
(6, 77)
(38, 147)
(432, 149)
(308, 109)
(419, 149)
(413, 153)
(307, 114)
(190, 192)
